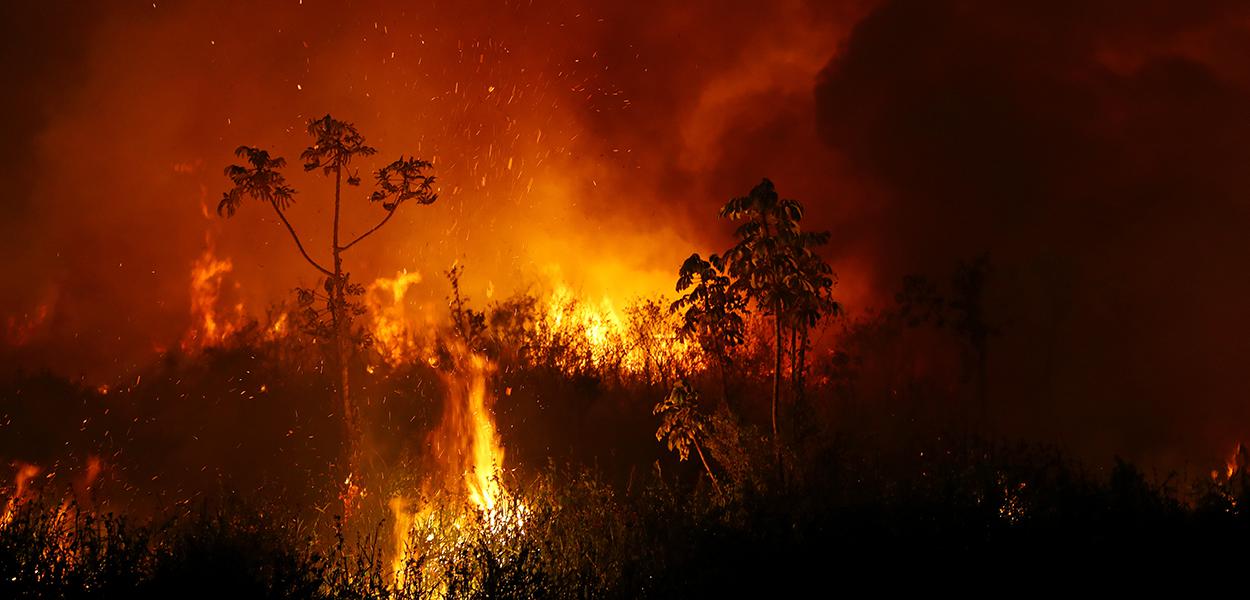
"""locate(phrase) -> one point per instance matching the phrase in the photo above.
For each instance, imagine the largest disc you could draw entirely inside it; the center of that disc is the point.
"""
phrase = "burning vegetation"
(510, 450)
(539, 328)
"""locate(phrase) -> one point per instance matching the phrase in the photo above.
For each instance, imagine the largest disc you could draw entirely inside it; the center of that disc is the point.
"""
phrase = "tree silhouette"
(711, 310)
(468, 324)
(775, 266)
(810, 293)
(681, 425)
(968, 287)
(329, 315)
(919, 302)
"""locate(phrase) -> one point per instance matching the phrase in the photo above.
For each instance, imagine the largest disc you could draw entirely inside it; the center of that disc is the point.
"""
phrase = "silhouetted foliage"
(774, 264)
(712, 310)
(330, 315)
(681, 425)
(468, 324)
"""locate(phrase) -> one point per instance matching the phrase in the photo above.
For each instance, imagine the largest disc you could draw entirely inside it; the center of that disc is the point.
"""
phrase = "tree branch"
(364, 235)
(298, 244)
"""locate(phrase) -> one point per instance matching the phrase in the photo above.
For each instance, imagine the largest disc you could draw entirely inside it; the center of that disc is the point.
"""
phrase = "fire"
(571, 320)
(470, 428)
(471, 455)
(278, 328)
(21, 493)
(24, 492)
(570, 332)
(399, 532)
(639, 342)
(211, 324)
(1235, 461)
(392, 332)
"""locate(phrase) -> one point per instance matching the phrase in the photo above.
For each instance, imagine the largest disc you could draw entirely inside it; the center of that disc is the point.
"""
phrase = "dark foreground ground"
(1019, 517)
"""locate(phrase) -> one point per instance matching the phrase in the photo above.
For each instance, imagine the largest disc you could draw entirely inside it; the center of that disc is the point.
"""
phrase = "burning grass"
(460, 495)
(584, 537)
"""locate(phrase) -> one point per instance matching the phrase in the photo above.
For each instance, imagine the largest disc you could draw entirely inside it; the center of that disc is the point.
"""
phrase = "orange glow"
(211, 322)
(21, 490)
(638, 340)
(21, 330)
(1235, 462)
(278, 328)
(469, 451)
(393, 330)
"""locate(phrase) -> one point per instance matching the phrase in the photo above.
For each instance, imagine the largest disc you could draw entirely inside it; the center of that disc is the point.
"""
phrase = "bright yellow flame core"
(482, 477)
(471, 455)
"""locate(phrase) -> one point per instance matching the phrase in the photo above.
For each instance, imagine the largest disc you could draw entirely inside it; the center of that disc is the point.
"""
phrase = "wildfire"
(392, 332)
(278, 328)
(21, 493)
(468, 414)
(565, 330)
(211, 324)
(639, 342)
(471, 455)
(572, 320)
(24, 492)
(1235, 461)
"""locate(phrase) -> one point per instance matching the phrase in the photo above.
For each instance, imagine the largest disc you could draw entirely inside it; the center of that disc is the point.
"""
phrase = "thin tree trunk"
(777, 387)
(800, 389)
(794, 358)
(339, 321)
(724, 383)
(715, 484)
(983, 405)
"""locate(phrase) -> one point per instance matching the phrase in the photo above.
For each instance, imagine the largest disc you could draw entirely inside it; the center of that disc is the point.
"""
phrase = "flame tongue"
(1235, 461)
(212, 321)
(21, 492)
(391, 331)
(470, 454)
(481, 477)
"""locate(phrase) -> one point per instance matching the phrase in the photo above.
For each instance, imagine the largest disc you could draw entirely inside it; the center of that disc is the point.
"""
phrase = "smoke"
(1092, 148)
(590, 144)
(1097, 151)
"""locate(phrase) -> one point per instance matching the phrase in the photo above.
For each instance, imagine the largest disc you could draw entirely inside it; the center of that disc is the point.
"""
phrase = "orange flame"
(211, 325)
(21, 493)
(392, 333)
(1235, 461)
(469, 449)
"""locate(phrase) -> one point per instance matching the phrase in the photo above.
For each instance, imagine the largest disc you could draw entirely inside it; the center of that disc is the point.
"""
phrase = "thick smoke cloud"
(1097, 151)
